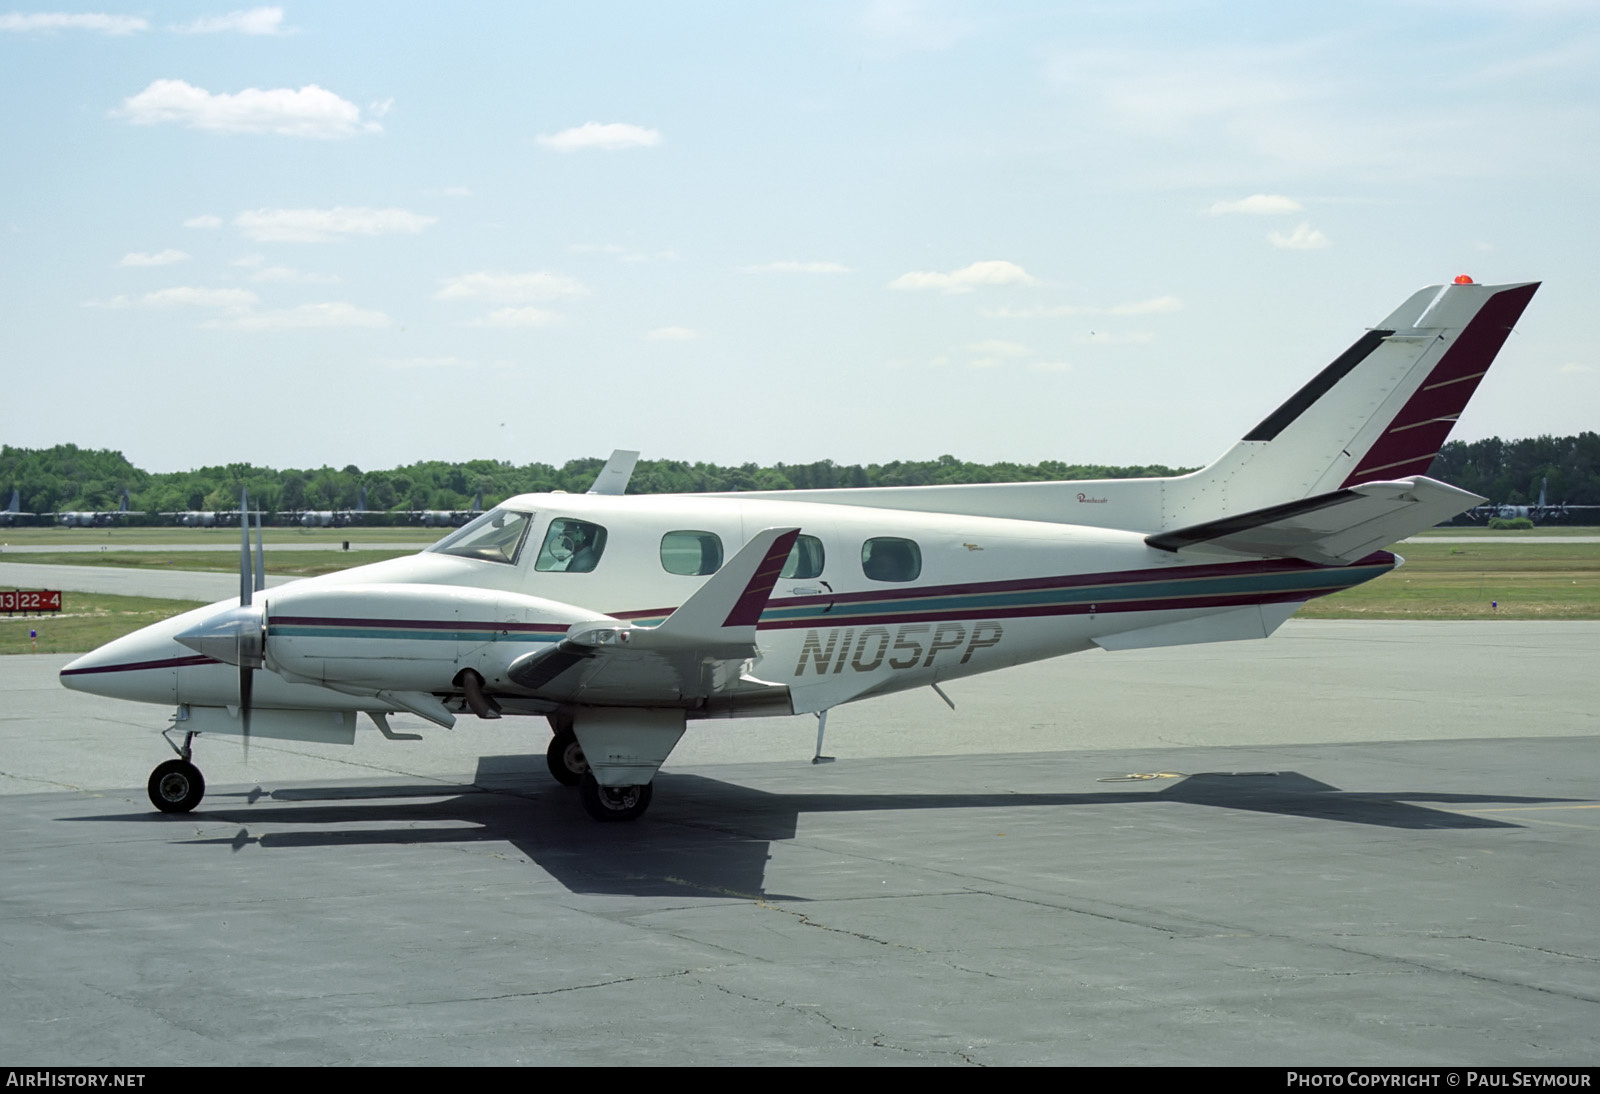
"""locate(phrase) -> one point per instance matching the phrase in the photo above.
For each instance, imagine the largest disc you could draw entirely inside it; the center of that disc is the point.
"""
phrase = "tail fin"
(1380, 412)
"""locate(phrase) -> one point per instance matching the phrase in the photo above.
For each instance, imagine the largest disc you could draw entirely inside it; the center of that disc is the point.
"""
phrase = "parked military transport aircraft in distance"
(333, 518)
(1540, 510)
(622, 620)
(98, 518)
(449, 518)
(11, 512)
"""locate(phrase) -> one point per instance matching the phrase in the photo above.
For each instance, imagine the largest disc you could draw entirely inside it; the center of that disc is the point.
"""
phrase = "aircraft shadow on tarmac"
(709, 837)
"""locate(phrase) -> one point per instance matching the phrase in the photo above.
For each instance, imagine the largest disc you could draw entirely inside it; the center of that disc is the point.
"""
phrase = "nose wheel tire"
(613, 803)
(176, 786)
(565, 757)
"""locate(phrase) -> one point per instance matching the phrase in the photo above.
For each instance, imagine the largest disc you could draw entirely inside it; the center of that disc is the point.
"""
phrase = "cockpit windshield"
(494, 537)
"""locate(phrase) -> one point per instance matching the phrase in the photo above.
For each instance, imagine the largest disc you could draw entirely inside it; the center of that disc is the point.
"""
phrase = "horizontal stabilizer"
(1330, 529)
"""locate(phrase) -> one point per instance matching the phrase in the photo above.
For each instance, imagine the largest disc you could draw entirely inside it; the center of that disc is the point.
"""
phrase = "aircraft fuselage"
(986, 593)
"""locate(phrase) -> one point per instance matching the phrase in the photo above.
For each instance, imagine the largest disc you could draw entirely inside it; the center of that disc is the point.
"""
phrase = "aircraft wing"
(694, 654)
(1331, 529)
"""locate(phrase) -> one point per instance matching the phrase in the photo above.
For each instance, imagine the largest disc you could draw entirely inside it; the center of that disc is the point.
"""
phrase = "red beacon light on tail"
(1463, 279)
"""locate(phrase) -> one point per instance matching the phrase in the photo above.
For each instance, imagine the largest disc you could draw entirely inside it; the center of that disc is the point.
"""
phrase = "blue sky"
(1121, 233)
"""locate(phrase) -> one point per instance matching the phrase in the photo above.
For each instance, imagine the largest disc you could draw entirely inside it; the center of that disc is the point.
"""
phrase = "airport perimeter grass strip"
(86, 621)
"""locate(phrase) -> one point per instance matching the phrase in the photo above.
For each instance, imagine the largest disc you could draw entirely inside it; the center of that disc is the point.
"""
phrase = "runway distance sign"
(30, 600)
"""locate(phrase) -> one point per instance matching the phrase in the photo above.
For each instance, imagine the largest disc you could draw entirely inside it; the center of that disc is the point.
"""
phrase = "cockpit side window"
(691, 553)
(888, 558)
(494, 537)
(571, 546)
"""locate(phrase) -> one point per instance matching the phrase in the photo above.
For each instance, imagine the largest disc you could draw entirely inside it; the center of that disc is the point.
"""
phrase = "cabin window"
(890, 559)
(805, 558)
(494, 537)
(571, 546)
(692, 554)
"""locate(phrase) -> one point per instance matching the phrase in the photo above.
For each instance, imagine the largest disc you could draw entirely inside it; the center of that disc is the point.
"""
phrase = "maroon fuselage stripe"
(134, 666)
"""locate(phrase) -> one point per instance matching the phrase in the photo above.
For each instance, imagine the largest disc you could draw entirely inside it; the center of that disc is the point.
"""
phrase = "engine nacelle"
(407, 637)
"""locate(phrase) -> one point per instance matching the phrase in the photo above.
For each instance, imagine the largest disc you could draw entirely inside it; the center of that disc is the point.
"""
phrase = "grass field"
(86, 620)
(1468, 580)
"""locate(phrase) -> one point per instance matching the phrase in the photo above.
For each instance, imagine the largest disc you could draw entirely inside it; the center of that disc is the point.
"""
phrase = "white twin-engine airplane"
(622, 619)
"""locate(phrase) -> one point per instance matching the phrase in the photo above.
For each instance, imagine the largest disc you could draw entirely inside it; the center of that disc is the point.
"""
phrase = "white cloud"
(1576, 368)
(309, 112)
(510, 288)
(322, 225)
(1152, 306)
(204, 221)
(50, 21)
(267, 21)
(516, 317)
(992, 272)
(798, 267)
(1256, 205)
(1303, 238)
(186, 296)
(673, 334)
(305, 317)
(611, 137)
(159, 258)
(292, 276)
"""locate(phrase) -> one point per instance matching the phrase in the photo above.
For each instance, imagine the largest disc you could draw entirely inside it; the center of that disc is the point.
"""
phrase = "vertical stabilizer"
(1380, 411)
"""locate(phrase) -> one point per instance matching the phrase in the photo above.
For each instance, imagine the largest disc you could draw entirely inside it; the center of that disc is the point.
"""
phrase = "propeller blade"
(246, 582)
(246, 680)
(261, 566)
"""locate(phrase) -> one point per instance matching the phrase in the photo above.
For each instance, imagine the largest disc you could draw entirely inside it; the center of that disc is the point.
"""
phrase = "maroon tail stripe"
(1419, 431)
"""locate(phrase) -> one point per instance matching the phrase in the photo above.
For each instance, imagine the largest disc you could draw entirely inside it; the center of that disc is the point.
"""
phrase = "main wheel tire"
(176, 786)
(565, 757)
(613, 803)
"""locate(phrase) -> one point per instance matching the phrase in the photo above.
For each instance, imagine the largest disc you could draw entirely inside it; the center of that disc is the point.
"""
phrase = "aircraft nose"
(139, 666)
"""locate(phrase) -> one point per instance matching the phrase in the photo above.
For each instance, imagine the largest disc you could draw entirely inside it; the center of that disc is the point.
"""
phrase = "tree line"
(67, 477)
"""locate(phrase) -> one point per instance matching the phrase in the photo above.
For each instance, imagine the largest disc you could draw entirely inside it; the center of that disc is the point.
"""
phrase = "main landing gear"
(565, 757)
(613, 803)
(177, 785)
(604, 803)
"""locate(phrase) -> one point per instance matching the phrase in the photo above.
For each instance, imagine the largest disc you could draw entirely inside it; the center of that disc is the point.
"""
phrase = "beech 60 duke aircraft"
(623, 619)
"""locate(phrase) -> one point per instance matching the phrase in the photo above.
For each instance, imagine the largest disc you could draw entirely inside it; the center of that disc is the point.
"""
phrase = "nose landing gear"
(177, 785)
